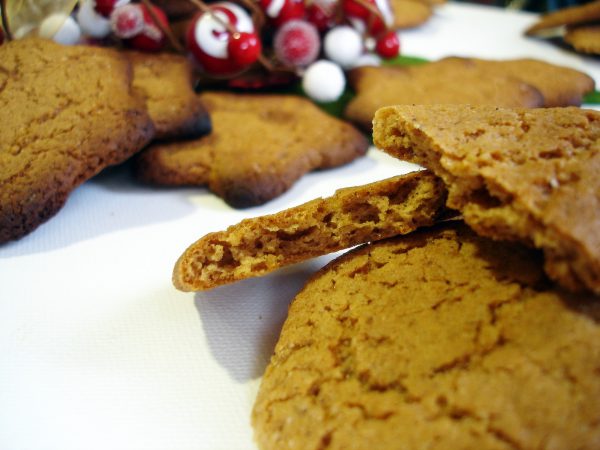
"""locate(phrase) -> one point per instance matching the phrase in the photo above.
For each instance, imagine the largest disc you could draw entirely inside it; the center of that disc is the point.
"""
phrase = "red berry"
(388, 45)
(151, 38)
(244, 48)
(1, 36)
(126, 21)
(358, 14)
(208, 40)
(281, 11)
(297, 43)
(320, 17)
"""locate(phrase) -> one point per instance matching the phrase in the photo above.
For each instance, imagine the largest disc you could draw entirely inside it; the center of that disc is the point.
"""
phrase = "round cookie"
(439, 340)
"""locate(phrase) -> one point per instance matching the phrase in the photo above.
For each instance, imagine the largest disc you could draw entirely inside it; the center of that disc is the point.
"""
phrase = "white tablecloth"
(99, 351)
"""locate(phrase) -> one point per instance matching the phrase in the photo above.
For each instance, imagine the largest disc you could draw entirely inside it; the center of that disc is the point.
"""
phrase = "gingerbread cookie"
(66, 113)
(433, 83)
(560, 86)
(584, 38)
(566, 16)
(439, 339)
(352, 216)
(166, 81)
(410, 13)
(260, 145)
(528, 175)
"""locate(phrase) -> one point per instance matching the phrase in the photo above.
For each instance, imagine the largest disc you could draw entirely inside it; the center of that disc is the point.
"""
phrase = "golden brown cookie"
(528, 175)
(440, 339)
(260, 145)
(560, 86)
(584, 38)
(66, 113)
(410, 13)
(573, 15)
(352, 216)
(166, 81)
(437, 82)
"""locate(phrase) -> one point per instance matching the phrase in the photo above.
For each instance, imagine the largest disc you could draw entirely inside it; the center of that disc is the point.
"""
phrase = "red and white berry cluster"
(318, 41)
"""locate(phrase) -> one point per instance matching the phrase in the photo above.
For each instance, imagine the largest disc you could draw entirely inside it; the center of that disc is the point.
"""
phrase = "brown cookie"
(432, 83)
(66, 113)
(567, 16)
(260, 145)
(166, 82)
(528, 175)
(441, 340)
(584, 38)
(176, 8)
(352, 216)
(560, 86)
(410, 13)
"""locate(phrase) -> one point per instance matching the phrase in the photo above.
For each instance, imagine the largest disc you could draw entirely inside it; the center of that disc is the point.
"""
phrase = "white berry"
(324, 81)
(60, 27)
(367, 59)
(92, 24)
(343, 45)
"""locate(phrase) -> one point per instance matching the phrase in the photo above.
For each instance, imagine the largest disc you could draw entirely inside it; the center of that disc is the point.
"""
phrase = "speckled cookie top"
(440, 339)
(520, 174)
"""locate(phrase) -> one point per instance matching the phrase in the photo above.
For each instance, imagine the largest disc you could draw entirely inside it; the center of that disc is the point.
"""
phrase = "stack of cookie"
(578, 26)
(474, 299)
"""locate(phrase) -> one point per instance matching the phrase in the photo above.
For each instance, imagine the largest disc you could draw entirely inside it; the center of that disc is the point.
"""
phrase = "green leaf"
(592, 98)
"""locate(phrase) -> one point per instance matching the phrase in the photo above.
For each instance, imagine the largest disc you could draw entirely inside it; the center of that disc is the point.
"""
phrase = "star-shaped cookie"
(259, 146)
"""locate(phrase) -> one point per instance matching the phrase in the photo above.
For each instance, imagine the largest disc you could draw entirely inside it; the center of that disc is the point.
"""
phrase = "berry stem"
(167, 32)
(4, 15)
(206, 9)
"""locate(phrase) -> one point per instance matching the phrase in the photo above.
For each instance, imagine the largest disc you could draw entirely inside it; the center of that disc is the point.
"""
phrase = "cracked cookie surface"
(440, 339)
(515, 174)
(350, 217)
(259, 146)
(66, 113)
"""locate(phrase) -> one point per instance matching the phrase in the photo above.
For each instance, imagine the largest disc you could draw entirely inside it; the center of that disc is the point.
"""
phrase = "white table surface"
(99, 351)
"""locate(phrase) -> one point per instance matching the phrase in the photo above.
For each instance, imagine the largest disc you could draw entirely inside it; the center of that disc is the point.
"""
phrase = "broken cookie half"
(515, 174)
(350, 217)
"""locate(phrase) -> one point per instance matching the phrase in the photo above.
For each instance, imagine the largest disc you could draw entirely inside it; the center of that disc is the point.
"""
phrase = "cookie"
(439, 339)
(166, 82)
(528, 175)
(352, 216)
(260, 145)
(566, 16)
(584, 38)
(560, 86)
(66, 113)
(432, 83)
(410, 13)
